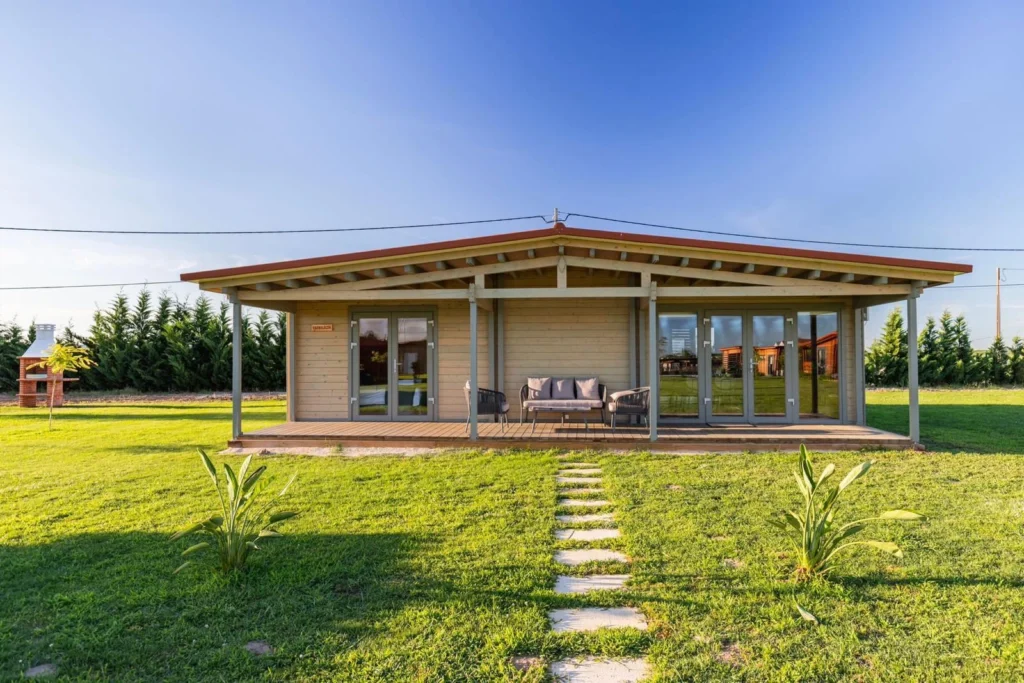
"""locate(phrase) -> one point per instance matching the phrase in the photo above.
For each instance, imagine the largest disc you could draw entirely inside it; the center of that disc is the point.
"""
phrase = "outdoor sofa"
(562, 395)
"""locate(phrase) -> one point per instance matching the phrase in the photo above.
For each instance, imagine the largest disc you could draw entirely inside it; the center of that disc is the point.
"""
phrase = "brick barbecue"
(36, 385)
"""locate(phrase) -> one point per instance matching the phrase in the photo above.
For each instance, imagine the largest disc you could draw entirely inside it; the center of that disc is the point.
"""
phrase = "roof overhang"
(668, 261)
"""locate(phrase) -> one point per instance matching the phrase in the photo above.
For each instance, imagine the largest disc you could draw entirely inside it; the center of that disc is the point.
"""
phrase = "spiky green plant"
(813, 531)
(243, 520)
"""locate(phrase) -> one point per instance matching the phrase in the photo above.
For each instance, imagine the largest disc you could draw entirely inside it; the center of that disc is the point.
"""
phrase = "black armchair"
(631, 402)
(488, 402)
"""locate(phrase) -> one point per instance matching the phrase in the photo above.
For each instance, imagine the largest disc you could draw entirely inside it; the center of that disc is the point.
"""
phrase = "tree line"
(945, 356)
(164, 344)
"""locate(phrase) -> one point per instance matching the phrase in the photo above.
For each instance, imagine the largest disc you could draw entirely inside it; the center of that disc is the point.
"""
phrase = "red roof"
(561, 230)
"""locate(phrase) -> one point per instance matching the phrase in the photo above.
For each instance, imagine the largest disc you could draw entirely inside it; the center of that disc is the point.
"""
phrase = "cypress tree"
(887, 356)
(13, 343)
(929, 354)
(947, 349)
(1016, 365)
(997, 362)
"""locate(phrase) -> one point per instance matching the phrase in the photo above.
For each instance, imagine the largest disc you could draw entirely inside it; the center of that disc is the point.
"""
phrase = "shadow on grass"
(110, 603)
(958, 428)
(131, 414)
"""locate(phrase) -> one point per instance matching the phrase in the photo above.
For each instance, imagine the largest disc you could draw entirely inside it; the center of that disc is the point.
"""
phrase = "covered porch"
(740, 347)
(726, 437)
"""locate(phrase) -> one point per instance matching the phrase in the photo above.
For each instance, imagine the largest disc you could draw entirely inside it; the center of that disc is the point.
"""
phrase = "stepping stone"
(583, 519)
(41, 671)
(585, 534)
(578, 472)
(570, 585)
(580, 464)
(259, 648)
(573, 492)
(594, 618)
(574, 503)
(578, 480)
(572, 558)
(594, 670)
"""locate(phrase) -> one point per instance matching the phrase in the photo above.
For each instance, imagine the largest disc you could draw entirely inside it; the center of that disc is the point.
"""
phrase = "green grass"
(957, 420)
(440, 567)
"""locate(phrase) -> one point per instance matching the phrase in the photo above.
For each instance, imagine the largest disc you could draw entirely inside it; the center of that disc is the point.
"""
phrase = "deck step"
(573, 558)
(599, 670)
(574, 585)
(586, 534)
(594, 618)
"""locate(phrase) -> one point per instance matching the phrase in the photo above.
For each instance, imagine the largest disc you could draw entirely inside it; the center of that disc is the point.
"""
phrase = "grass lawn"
(440, 567)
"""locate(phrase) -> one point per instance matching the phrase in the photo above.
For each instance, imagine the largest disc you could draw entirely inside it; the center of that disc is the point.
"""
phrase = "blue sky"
(873, 121)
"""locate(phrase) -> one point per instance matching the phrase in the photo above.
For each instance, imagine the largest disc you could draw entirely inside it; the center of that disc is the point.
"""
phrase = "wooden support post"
(499, 311)
(290, 364)
(472, 364)
(652, 353)
(236, 368)
(858, 364)
(915, 418)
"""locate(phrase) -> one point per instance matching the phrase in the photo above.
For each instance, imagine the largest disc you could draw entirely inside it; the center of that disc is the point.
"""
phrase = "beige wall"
(453, 357)
(321, 362)
(566, 337)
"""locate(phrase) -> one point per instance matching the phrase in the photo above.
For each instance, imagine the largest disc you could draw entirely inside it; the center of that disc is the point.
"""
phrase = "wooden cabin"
(760, 343)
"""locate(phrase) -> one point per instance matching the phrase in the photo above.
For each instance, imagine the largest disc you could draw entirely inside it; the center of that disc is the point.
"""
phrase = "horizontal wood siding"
(566, 338)
(453, 357)
(321, 362)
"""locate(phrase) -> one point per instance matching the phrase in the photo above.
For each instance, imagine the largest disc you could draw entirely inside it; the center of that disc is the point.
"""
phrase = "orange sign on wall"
(323, 327)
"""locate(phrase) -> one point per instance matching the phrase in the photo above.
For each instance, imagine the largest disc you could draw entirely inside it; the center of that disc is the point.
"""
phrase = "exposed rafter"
(781, 271)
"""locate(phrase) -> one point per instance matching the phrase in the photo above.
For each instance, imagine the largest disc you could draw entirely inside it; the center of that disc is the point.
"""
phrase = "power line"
(111, 284)
(793, 239)
(271, 232)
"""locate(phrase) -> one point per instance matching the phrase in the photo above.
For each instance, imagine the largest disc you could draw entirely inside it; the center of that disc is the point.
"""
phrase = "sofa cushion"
(563, 404)
(538, 387)
(587, 387)
(563, 389)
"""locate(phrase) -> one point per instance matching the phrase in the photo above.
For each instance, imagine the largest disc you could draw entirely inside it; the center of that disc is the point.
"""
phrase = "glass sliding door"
(768, 366)
(819, 364)
(726, 392)
(394, 374)
(679, 363)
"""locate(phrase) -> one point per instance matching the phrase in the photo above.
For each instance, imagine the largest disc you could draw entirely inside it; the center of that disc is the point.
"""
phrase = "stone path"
(576, 479)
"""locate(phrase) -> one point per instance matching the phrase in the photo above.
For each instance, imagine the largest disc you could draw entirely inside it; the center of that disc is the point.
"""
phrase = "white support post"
(652, 355)
(236, 368)
(915, 417)
(472, 364)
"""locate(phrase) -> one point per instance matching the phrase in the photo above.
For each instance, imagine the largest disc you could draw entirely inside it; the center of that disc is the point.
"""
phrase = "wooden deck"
(703, 438)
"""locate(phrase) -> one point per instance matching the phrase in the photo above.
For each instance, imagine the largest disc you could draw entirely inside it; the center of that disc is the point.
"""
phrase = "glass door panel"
(768, 365)
(411, 366)
(678, 359)
(726, 386)
(819, 364)
(373, 381)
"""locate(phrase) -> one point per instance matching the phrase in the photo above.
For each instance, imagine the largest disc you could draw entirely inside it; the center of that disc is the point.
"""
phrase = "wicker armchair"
(488, 402)
(631, 402)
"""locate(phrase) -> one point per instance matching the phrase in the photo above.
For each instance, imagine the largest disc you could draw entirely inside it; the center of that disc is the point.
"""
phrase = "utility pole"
(556, 216)
(999, 324)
